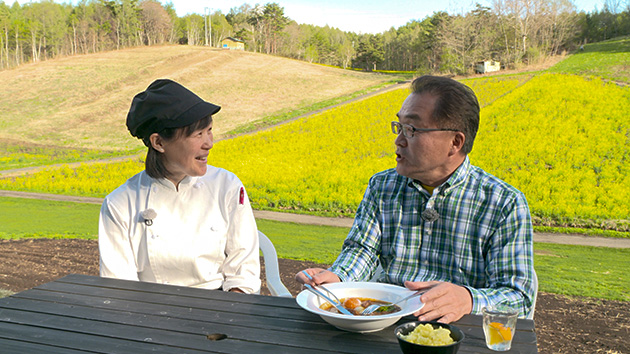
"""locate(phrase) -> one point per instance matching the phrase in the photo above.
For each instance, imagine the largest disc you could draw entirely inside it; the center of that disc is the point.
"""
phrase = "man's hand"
(319, 275)
(444, 302)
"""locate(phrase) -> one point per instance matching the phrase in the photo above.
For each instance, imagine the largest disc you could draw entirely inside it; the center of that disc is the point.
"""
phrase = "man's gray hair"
(456, 106)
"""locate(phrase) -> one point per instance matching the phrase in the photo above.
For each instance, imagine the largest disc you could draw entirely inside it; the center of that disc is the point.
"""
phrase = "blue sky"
(360, 16)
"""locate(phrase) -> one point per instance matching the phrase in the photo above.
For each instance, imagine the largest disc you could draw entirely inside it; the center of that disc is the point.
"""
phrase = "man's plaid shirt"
(482, 238)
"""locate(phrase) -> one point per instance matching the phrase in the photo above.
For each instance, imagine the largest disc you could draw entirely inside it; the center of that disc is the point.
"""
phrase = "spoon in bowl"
(337, 305)
(323, 288)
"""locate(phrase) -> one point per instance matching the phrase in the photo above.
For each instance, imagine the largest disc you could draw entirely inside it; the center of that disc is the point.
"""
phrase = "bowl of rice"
(428, 337)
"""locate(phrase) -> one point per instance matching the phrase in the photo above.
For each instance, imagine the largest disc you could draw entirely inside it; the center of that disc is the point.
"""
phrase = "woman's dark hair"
(456, 106)
(154, 163)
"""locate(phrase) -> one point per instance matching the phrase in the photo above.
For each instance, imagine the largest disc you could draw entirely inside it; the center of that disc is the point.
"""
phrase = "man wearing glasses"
(436, 221)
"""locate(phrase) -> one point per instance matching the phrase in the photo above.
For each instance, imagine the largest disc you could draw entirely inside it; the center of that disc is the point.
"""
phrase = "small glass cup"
(499, 327)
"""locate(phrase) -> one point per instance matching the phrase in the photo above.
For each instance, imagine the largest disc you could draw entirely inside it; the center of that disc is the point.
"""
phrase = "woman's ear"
(157, 142)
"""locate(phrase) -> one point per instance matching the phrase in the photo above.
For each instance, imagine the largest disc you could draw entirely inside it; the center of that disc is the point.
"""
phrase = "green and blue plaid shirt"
(482, 238)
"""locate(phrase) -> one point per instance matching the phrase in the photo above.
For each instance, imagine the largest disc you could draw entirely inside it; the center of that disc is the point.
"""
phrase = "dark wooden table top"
(80, 313)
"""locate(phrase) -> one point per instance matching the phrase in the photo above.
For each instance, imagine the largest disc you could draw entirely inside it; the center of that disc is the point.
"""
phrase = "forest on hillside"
(513, 32)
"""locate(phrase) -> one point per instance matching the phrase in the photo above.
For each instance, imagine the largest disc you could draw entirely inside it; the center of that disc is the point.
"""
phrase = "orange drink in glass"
(499, 327)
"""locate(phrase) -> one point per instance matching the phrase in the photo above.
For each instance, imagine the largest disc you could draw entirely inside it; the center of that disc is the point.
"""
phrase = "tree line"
(513, 32)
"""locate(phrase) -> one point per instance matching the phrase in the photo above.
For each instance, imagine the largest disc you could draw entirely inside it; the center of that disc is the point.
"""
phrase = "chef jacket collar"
(185, 183)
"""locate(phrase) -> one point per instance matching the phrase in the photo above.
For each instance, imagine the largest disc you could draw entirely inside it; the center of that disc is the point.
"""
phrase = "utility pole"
(206, 11)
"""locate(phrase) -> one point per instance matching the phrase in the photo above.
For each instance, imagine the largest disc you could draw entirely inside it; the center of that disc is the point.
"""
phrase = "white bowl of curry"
(357, 295)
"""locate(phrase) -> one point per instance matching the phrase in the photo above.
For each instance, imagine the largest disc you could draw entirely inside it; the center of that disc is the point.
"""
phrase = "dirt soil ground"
(563, 324)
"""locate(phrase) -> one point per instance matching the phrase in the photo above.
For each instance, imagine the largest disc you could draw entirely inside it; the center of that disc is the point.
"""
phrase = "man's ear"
(458, 142)
(157, 142)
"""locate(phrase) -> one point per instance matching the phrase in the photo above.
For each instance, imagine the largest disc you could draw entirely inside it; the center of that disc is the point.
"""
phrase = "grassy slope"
(609, 60)
(82, 101)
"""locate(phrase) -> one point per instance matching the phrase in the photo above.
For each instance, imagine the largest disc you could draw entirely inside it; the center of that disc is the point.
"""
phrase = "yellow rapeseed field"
(561, 139)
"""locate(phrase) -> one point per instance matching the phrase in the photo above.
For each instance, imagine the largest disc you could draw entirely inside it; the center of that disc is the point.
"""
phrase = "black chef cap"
(165, 104)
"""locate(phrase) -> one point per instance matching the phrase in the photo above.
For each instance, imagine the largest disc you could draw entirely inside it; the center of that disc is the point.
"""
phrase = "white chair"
(272, 271)
(531, 314)
(377, 273)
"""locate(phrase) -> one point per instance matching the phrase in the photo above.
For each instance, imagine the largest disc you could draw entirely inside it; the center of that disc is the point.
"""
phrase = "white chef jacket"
(203, 235)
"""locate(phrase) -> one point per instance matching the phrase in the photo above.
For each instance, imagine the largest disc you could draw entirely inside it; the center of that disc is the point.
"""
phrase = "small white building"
(487, 66)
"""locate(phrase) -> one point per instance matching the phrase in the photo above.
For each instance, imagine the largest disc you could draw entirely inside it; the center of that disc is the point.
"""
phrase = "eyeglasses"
(408, 130)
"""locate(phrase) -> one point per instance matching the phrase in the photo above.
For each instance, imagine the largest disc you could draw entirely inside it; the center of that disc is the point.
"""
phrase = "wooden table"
(79, 313)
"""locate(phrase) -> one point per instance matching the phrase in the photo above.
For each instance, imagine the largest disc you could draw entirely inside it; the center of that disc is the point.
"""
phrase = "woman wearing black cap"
(179, 221)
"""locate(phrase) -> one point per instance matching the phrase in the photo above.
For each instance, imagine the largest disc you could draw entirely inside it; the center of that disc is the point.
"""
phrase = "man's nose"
(400, 140)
